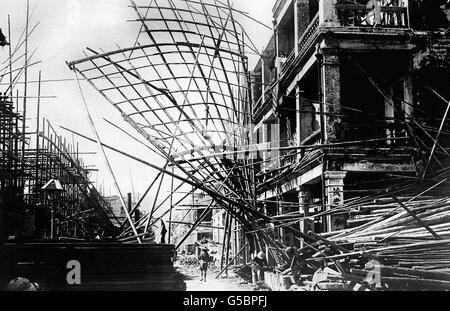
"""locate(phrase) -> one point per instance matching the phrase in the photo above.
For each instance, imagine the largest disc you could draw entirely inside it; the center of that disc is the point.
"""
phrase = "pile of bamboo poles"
(399, 244)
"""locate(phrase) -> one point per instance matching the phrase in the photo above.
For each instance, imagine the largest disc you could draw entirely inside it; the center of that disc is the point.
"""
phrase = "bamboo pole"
(105, 158)
(232, 259)
(171, 206)
(436, 140)
(416, 218)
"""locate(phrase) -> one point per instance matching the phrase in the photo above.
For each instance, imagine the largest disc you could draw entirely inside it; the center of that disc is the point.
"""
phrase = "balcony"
(349, 18)
(333, 13)
(359, 15)
(263, 102)
(291, 156)
(305, 42)
(376, 134)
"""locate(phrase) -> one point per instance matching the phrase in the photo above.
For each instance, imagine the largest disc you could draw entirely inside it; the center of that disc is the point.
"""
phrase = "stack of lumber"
(103, 266)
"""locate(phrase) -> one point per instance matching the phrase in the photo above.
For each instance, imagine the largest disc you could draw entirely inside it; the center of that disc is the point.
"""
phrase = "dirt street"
(192, 279)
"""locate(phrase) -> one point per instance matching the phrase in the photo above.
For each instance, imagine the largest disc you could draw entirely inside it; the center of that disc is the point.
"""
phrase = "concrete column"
(331, 90)
(334, 190)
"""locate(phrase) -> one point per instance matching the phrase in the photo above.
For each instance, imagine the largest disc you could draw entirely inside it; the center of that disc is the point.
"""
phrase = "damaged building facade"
(338, 75)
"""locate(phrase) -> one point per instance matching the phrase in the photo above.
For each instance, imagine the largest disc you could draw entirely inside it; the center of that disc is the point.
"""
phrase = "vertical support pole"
(129, 202)
(263, 80)
(408, 94)
(277, 38)
(265, 139)
(298, 118)
(222, 256)
(105, 158)
(227, 249)
(10, 57)
(296, 27)
(52, 223)
(25, 90)
(389, 113)
(171, 206)
(236, 240)
(36, 183)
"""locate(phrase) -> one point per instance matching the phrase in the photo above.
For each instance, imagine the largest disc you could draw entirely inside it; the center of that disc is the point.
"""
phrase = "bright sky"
(66, 28)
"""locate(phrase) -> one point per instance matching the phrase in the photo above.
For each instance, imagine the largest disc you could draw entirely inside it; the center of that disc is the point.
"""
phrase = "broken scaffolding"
(185, 87)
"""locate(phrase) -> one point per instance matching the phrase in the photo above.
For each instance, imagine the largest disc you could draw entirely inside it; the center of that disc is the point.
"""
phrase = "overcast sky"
(66, 28)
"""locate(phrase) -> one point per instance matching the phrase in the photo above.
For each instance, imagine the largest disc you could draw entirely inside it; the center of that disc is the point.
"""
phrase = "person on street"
(204, 262)
(163, 232)
(259, 263)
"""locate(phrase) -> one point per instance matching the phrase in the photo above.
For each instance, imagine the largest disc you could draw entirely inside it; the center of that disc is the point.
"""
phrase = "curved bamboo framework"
(185, 87)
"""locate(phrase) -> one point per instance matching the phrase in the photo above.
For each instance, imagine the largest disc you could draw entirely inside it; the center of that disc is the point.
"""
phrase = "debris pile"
(185, 87)
(190, 261)
(399, 244)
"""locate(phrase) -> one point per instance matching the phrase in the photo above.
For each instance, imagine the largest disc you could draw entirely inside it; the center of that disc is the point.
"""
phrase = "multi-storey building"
(336, 75)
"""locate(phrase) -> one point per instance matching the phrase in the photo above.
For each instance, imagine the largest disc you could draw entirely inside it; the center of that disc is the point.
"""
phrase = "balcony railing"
(304, 43)
(263, 102)
(288, 62)
(381, 16)
(378, 134)
(309, 35)
(291, 156)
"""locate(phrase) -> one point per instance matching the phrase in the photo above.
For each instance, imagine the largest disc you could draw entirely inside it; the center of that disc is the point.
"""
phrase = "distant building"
(204, 232)
(116, 206)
